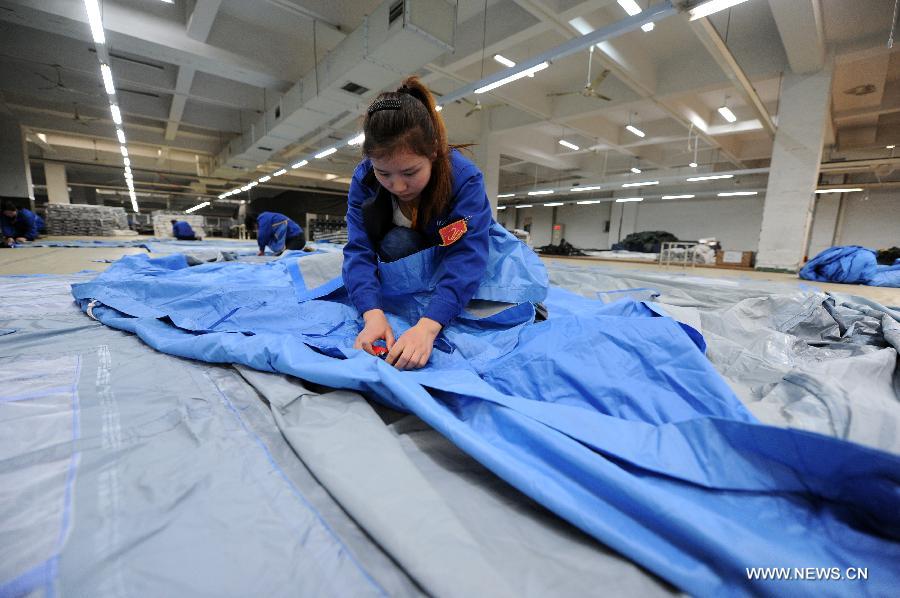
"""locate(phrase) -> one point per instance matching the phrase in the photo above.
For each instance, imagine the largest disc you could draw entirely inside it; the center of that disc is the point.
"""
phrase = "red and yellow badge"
(453, 232)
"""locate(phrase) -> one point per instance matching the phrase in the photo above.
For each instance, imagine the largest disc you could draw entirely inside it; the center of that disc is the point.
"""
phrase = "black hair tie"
(384, 104)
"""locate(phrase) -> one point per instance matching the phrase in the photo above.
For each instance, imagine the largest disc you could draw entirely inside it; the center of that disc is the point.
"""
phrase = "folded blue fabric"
(607, 414)
(851, 264)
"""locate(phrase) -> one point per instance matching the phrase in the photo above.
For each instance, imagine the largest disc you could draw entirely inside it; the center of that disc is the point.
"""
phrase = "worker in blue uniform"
(19, 224)
(182, 231)
(413, 191)
(278, 233)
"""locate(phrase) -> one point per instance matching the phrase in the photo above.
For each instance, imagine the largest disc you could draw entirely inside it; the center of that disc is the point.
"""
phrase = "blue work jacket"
(273, 229)
(24, 225)
(369, 218)
(182, 230)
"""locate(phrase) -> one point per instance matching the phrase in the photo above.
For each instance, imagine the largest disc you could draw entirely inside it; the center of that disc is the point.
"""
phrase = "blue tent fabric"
(851, 264)
(607, 414)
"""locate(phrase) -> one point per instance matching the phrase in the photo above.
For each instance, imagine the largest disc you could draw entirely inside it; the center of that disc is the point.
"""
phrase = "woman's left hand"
(413, 348)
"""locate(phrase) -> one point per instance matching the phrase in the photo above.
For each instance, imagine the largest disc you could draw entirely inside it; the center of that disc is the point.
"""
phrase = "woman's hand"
(376, 328)
(413, 348)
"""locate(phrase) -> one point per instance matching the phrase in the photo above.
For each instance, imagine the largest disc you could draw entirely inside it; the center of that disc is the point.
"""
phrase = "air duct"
(398, 38)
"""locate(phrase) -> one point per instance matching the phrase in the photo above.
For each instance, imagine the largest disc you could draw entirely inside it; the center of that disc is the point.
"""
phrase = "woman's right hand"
(376, 328)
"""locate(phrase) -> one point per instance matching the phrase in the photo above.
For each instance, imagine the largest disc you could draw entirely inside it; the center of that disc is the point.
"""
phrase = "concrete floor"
(65, 260)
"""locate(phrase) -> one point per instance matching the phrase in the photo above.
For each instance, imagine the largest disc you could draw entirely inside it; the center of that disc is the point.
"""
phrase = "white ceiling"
(256, 51)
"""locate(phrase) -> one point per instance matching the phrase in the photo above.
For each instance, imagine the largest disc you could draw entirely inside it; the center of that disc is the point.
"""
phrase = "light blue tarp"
(851, 265)
(607, 414)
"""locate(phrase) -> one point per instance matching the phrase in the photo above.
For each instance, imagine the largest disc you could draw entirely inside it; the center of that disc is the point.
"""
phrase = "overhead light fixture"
(124, 151)
(541, 192)
(648, 27)
(847, 190)
(643, 184)
(513, 77)
(588, 188)
(95, 20)
(128, 170)
(107, 79)
(711, 177)
(727, 114)
(501, 208)
(569, 145)
(630, 6)
(588, 202)
(264, 179)
(636, 170)
(330, 177)
(127, 162)
(300, 164)
(629, 199)
(245, 188)
(712, 6)
(134, 204)
(357, 140)
(505, 195)
(635, 130)
(504, 60)
(223, 196)
(677, 196)
(523, 205)
(693, 165)
(553, 204)
(325, 153)
(121, 135)
(252, 184)
(736, 193)
(196, 207)
(279, 172)
(116, 114)
(892, 146)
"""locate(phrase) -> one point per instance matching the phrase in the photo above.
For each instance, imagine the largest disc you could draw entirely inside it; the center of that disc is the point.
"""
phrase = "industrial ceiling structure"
(217, 95)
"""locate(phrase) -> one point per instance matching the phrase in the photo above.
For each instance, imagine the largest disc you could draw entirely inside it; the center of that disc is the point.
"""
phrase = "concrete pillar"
(15, 170)
(57, 185)
(487, 157)
(796, 154)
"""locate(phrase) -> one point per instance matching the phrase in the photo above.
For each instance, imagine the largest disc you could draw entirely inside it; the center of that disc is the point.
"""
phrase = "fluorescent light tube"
(643, 184)
(677, 196)
(116, 114)
(264, 179)
(124, 151)
(327, 152)
(553, 204)
(107, 79)
(648, 27)
(736, 193)
(279, 172)
(504, 60)
(713, 6)
(846, 190)
(569, 145)
(121, 135)
(636, 170)
(196, 207)
(252, 184)
(300, 164)
(588, 202)
(542, 192)
(635, 130)
(501, 208)
(588, 188)
(95, 21)
(128, 170)
(693, 165)
(727, 114)
(890, 146)
(627, 199)
(523, 205)
(357, 140)
(506, 195)
(711, 177)
(513, 77)
(630, 6)
(223, 196)
(126, 161)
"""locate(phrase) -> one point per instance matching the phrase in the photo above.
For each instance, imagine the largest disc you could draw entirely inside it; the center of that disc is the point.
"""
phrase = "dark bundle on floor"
(888, 257)
(645, 242)
(564, 248)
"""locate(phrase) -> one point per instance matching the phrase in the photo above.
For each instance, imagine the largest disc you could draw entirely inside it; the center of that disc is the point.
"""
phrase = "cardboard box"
(742, 259)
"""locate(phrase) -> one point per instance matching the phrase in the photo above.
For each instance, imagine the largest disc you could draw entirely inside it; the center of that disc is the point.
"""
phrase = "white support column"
(15, 169)
(796, 154)
(57, 185)
(487, 156)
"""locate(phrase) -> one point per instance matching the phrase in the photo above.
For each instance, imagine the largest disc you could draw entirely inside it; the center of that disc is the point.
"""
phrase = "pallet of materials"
(85, 220)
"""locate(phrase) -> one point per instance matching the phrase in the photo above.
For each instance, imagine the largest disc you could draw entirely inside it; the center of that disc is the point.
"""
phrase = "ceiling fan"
(590, 87)
(58, 84)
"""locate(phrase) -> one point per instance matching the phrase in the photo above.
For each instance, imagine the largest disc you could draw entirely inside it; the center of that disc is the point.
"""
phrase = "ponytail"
(408, 119)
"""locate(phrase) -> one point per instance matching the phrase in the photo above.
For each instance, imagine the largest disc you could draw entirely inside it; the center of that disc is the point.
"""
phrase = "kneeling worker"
(19, 224)
(183, 231)
(278, 233)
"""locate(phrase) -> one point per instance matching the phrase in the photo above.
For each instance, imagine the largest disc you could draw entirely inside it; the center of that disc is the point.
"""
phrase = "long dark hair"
(418, 127)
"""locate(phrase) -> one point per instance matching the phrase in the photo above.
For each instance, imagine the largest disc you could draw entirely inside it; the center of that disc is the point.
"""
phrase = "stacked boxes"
(162, 223)
(85, 220)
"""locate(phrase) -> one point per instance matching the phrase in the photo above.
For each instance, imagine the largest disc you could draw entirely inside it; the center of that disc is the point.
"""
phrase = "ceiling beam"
(802, 33)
